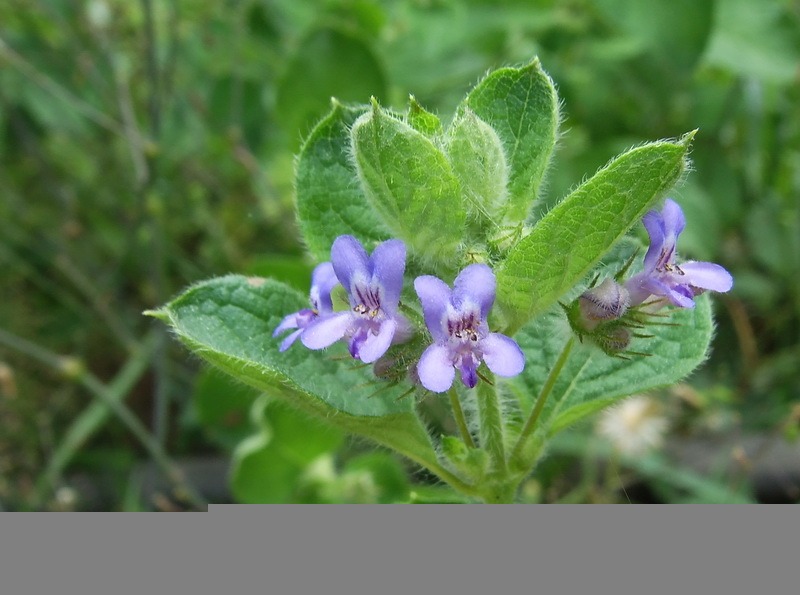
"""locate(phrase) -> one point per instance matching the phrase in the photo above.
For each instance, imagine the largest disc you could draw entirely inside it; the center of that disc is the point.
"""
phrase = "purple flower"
(373, 283)
(661, 276)
(323, 280)
(457, 321)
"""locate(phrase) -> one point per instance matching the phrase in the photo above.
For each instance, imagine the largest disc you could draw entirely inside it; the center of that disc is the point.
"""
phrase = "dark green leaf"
(329, 63)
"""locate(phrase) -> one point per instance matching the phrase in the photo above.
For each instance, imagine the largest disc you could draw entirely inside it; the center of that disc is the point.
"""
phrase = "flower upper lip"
(661, 275)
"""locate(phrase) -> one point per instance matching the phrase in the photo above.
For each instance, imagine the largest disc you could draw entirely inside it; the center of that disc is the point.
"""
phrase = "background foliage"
(148, 145)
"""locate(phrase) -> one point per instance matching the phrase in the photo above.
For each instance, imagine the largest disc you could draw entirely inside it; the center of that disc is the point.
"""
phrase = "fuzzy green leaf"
(421, 119)
(228, 321)
(521, 105)
(409, 181)
(571, 238)
(330, 202)
(478, 160)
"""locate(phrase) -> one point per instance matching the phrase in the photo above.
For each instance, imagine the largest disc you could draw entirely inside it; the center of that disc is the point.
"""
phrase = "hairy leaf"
(228, 321)
(521, 105)
(409, 181)
(330, 201)
(571, 238)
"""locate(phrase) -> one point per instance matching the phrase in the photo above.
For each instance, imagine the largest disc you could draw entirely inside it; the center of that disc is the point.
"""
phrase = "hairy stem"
(547, 388)
(491, 426)
(461, 421)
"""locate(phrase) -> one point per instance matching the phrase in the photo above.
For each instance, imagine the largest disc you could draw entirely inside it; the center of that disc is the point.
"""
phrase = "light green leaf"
(421, 119)
(675, 32)
(521, 105)
(266, 467)
(755, 40)
(330, 202)
(572, 237)
(409, 181)
(476, 154)
(228, 321)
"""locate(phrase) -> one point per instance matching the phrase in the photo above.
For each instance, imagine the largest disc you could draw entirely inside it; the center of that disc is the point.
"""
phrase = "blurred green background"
(149, 144)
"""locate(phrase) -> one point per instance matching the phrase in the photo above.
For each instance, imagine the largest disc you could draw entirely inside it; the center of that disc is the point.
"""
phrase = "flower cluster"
(662, 277)
(608, 311)
(456, 319)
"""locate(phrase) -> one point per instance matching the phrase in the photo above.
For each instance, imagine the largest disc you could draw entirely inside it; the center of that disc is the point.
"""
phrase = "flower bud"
(615, 340)
(607, 301)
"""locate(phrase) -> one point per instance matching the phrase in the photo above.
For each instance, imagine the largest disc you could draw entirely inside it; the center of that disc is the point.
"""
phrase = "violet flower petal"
(502, 355)
(682, 295)
(389, 263)
(469, 370)
(476, 283)
(654, 224)
(435, 369)
(291, 338)
(326, 330)
(349, 260)
(674, 220)
(707, 275)
(374, 346)
(323, 280)
(289, 321)
(434, 295)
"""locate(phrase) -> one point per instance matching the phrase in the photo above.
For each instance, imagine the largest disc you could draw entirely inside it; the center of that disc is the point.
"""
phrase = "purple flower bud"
(457, 321)
(661, 276)
(607, 301)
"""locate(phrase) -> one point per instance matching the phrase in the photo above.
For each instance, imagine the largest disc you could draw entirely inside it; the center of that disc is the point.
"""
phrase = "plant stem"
(73, 368)
(491, 426)
(152, 199)
(94, 416)
(547, 388)
(461, 421)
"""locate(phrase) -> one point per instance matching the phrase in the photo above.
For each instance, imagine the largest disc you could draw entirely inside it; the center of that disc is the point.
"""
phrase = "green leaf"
(476, 154)
(422, 120)
(266, 467)
(330, 202)
(390, 478)
(572, 237)
(228, 321)
(409, 181)
(755, 40)
(521, 105)
(258, 476)
(592, 380)
(470, 462)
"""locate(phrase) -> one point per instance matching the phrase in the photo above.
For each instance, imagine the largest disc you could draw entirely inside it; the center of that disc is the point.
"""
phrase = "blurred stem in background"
(111, 397)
